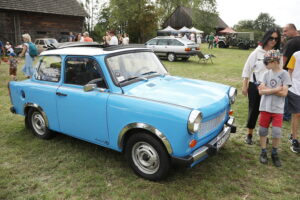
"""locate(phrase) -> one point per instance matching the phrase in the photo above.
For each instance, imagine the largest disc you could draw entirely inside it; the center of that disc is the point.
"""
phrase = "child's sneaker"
(275, 159)
(248, 139)
(263, 158)
(295, 146)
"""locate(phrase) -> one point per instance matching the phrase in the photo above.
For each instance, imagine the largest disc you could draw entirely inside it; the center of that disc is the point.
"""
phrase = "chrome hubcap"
(38, 123)
(171, 57)
(145, 157)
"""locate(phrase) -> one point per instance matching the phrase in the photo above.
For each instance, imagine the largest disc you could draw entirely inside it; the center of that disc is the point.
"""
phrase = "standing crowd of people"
(272, 83)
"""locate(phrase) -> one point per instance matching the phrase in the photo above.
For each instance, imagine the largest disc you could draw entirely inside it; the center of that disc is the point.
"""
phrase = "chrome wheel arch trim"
(39, 108)
(147, 127)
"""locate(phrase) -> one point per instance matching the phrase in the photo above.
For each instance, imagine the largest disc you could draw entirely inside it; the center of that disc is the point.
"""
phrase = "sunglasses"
(273, 38)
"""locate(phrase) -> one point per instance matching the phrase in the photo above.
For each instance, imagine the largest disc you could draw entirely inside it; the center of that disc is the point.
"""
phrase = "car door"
(162, 47)
(83, 114)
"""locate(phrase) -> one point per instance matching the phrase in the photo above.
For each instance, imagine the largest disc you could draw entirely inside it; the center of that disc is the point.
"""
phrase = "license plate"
(222, 139)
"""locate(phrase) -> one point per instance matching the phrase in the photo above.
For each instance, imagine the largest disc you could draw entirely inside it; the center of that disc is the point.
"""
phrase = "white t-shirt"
(113, 40)
(125, 41)
(255, 64)
(294, 64)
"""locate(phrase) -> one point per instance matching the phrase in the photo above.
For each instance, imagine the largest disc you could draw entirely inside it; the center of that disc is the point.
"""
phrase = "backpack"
(32, 49)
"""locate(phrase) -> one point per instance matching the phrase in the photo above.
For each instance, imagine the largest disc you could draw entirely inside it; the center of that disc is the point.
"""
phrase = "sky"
(283, 11)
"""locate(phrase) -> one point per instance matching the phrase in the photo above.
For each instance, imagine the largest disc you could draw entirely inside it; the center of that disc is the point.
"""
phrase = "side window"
(81, 71)
(175, 43)
(163, 42)
(49, 69)
(42, 42)
(37, 42)
(152, 42)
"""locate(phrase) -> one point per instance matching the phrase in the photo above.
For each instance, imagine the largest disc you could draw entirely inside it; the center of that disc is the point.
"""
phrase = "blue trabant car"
(124, 99)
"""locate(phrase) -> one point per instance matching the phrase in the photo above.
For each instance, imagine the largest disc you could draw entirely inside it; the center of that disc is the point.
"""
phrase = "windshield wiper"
(132, 78)
(150, 72)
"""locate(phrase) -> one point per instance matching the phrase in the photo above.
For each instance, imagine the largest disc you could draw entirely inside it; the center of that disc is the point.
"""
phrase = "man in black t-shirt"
(292, 45)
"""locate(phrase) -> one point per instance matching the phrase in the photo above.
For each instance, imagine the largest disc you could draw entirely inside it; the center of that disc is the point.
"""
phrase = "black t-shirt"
(290, 48)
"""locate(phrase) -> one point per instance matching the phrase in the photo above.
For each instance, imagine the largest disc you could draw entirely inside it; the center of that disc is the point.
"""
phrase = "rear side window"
(162, 42)
(49, 69)
(37, 42)
(42, 42)
(175, 42)
(82, 70)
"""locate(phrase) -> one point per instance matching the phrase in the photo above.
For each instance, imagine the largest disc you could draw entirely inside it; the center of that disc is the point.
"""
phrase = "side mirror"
(89, 87)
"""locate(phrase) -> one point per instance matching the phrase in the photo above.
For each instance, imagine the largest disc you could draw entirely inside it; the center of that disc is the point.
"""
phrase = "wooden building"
(182, 16)
(39, 18)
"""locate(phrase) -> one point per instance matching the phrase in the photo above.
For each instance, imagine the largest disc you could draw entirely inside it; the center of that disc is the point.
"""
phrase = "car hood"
(206, 96)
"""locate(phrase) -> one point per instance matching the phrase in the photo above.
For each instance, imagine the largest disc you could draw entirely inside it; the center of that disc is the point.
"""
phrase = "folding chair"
(204, 57)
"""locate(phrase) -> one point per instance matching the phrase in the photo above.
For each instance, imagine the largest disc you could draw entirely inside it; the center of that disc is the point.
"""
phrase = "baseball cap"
(271, 56)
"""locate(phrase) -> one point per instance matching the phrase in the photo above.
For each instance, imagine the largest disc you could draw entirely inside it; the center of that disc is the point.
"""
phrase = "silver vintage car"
(173, 48)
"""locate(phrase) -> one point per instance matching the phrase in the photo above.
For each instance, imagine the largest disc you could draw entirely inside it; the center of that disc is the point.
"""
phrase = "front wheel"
(171, 57)
(38, 124)
(147, 156)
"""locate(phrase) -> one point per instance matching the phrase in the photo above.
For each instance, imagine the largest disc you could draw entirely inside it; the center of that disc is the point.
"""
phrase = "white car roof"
(86, 51)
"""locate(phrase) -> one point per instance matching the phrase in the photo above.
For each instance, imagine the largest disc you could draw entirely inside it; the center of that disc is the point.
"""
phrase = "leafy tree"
(264, 22)
(136, 17)
(103, 23)
(244, 25)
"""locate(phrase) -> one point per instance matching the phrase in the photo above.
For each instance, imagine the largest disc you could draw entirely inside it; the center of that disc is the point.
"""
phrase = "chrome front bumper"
(210, 148)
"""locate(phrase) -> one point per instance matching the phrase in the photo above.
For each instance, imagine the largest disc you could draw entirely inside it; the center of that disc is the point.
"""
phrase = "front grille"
(211, 124)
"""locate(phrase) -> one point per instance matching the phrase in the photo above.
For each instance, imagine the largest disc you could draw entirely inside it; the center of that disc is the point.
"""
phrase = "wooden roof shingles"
(58, 7)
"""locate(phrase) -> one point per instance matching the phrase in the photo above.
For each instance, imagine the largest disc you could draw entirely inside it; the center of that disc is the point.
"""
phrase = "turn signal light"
(192, 143)
(187, 49)
(230, 112)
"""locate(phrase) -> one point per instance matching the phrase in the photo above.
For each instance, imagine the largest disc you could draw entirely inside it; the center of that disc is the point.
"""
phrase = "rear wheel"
(38, 124)
(171, 57)
(147, 156)
(221, 45)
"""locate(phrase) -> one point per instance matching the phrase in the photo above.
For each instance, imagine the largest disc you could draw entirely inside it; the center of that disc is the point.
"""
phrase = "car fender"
(132, 126)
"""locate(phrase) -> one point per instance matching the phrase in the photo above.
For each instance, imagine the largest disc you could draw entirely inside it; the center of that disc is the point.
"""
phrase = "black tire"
(221, 45)
(171, 57)
(38, 124)
(185, 59)
(147, 156)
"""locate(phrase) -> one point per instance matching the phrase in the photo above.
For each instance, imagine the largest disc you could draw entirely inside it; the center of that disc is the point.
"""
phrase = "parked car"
(123, 98)
(41, 43)
(173, 48)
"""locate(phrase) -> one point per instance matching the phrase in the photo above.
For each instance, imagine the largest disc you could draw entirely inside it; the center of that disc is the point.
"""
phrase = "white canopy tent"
(194, 30)
(184, 29)
(168, 29)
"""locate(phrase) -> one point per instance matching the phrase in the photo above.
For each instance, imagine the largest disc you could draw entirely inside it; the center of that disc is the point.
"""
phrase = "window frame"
(89, 57)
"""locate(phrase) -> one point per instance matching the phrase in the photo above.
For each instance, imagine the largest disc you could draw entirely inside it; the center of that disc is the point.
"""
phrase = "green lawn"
(67, 168)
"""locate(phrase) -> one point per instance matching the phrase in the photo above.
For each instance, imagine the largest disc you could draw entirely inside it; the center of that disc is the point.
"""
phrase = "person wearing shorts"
(273, 90)
(294, 99)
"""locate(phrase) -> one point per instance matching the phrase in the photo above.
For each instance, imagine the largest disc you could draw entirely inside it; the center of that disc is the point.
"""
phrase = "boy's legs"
(276, 135)
(264, 121)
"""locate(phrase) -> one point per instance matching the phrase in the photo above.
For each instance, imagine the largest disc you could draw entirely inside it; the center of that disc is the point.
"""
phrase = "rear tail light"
(197, 48)
(230, 112)
(187, 49)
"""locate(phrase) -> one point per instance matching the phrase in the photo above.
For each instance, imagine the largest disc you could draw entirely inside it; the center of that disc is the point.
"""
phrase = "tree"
(136, 17)
(244, 25)
(264, 22)
(103, 23)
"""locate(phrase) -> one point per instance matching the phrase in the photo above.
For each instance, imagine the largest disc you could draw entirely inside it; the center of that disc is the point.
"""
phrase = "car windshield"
(134, 66)
(52, 41)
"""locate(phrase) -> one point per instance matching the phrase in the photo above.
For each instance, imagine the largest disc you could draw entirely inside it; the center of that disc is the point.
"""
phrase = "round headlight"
(232, 95)
(194, 121)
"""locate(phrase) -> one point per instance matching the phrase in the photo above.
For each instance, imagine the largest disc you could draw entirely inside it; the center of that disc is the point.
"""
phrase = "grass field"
(67, 168)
